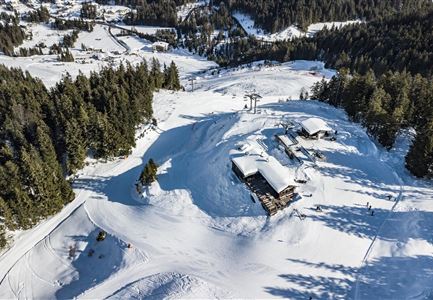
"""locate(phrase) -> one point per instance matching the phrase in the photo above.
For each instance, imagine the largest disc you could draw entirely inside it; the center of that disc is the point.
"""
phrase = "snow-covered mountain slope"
(288, 33)
(196, 233)
(72, 261)
(95, 49)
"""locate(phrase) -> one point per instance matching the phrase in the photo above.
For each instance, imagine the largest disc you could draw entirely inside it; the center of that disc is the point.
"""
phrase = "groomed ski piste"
(196, 233)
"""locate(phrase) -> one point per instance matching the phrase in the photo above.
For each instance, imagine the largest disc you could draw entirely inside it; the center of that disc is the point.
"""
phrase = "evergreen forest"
(46, 135)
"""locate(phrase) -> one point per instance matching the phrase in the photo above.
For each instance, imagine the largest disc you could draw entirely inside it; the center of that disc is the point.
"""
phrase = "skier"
(372, 213)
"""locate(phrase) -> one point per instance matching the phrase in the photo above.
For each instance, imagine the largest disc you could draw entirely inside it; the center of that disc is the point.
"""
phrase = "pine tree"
(46, 134)
(148, 175)
(171, 77)
(419, 159)
(156, 74)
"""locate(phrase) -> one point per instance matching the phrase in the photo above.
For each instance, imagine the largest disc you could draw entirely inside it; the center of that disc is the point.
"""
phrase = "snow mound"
(249, 26)
(170, 286)
(198, 169)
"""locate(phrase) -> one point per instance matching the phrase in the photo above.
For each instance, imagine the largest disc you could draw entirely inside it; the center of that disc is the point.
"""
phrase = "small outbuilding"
(315, 128)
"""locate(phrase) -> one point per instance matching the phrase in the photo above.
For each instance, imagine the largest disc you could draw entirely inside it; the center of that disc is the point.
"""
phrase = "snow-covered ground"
(102, 49)
(99, 39)
(196, 233)
(314, 28)
(286, 34)
(42, 33)
(184, 10)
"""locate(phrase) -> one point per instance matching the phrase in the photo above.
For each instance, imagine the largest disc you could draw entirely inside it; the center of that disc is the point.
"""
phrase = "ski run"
(196, 233)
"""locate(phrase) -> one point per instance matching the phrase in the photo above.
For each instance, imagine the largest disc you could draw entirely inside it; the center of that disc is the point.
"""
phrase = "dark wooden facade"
(271, 200)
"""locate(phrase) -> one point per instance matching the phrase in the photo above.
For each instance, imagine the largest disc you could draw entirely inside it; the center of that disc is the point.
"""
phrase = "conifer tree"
(171, 77)
(419, 159)
(156, 74)
(148, 175)
(46, 135)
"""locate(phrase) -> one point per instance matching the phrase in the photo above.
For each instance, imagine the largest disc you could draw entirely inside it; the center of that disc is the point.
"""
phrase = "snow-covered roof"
(246, 164)
(285, 140)
(278, 176)
(314, 125)
(160, 44)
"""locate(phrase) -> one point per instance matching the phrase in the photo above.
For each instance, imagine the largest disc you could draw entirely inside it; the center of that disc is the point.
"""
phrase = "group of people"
(371, 210)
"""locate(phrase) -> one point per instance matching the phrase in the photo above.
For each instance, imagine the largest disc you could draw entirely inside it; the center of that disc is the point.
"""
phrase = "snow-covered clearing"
(184, 10)
(99, 39)
(314, 28)
(42, 33)
(286, 34)
(196, 233)
(102, 50)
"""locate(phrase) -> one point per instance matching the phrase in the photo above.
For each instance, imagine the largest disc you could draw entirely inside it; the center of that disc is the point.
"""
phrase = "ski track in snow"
(196, 233)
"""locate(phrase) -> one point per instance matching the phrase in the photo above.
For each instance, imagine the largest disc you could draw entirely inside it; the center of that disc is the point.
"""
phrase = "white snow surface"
(183, 11)
(102, 50)
(195, 233)
(42, 33)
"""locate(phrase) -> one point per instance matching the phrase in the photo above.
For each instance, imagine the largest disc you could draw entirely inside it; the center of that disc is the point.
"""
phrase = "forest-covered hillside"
(47, 134)
(11, 34)
(399, 42)
(385, 105)
(274, 15)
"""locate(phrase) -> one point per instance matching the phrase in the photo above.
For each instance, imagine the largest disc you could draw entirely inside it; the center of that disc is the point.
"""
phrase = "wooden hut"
(267, 178)
(315, 128)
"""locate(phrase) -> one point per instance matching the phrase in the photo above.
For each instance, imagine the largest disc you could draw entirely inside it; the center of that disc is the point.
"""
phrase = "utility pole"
(246, 97)
(253, 97)
(192, 83)
(257, 98)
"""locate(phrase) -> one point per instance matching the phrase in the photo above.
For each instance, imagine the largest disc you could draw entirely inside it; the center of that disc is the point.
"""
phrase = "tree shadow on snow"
(318, 287)
(400, 276)
(194, 158)
(93, 269)
(384, 278)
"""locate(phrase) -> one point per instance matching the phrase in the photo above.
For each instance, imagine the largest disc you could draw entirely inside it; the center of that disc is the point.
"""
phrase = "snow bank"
(314, 28)
(248, 25)
(170, 286)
